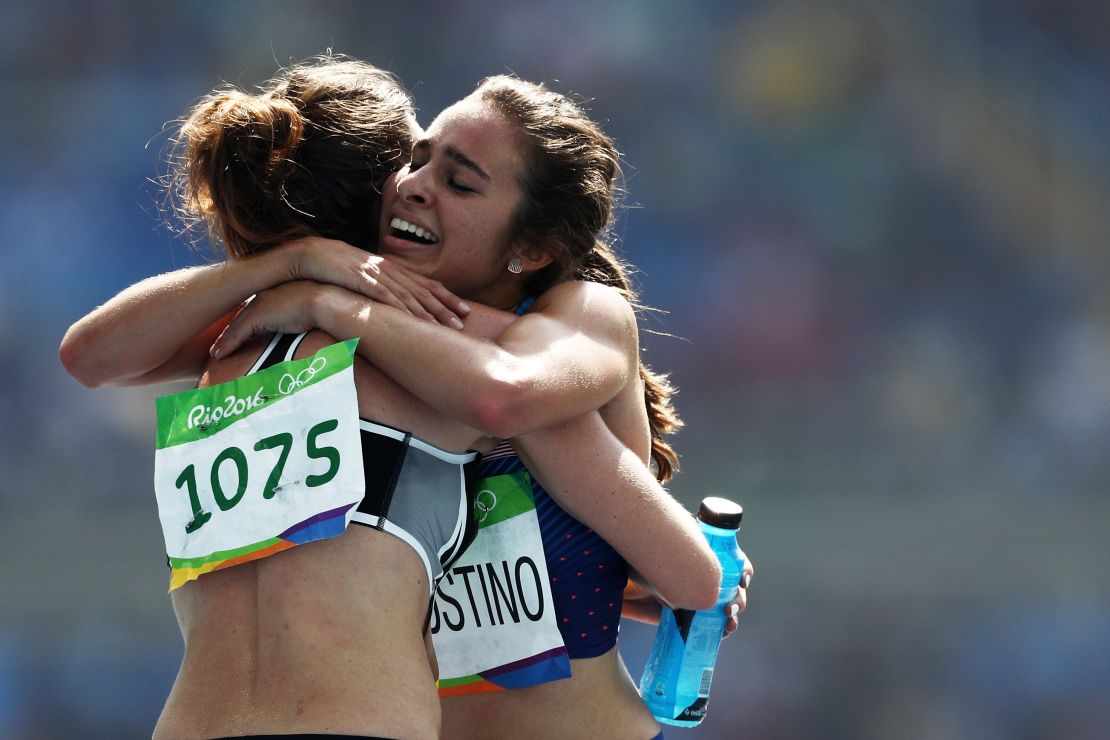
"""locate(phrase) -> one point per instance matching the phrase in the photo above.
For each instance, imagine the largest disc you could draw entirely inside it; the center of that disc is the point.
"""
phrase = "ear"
(533, 258)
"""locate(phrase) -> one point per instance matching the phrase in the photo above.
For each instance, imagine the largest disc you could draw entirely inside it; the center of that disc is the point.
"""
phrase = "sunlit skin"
(463, 185)
(434, 194)
(468, 207)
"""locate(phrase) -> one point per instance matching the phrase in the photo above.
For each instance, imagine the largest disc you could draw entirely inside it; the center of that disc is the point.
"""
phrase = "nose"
(414, 187)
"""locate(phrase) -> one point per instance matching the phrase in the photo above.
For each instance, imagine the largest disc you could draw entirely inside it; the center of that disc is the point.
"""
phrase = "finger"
(383, 289)
(446, 307)
(733, 622)
(217, 350)
(219, 347)
(740, 601)
(443, 314)
(422, 305)
(232, 337)
(748, 572)
(426, 300)
(336, 263)
(396, 289)
(448, 299)
(738, 604)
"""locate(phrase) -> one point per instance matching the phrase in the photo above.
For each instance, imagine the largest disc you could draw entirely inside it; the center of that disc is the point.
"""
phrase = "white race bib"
(248, 468)
(493, 619)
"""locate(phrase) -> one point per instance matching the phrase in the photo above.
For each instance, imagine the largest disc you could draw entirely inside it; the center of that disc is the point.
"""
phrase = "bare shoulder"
(313, 342)
(587, 301)
(237, 364)
(317, 339)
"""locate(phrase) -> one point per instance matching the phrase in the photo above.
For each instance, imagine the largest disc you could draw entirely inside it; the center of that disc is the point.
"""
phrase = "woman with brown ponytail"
(505, 200)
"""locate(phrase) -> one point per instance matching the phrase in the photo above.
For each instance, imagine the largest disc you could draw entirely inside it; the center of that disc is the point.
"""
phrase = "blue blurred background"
(880, 234)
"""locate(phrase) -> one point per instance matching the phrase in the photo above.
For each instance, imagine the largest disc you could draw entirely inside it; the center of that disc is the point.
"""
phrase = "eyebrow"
(456, 156)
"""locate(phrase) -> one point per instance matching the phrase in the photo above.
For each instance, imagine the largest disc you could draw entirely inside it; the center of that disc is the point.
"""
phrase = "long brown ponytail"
(570, 193)
(602, 265)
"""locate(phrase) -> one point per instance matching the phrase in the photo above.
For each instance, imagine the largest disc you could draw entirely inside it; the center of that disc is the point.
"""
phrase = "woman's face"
(454, 204)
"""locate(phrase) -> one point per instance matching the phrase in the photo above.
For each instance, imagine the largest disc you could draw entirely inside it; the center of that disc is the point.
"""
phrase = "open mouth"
(402, 229)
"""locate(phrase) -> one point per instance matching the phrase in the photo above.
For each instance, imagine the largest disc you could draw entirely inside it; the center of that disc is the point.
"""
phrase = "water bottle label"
(695, 712)
(706, 681)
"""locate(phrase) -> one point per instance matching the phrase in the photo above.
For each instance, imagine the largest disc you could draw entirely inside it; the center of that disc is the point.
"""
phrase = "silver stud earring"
(515, 267)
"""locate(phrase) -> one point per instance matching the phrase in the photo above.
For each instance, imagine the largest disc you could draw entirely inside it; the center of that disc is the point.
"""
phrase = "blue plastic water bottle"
(676, 679)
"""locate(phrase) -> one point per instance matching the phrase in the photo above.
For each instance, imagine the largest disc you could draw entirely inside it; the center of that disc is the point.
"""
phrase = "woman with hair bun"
(327, 637)
(505, 202)
(348, 126)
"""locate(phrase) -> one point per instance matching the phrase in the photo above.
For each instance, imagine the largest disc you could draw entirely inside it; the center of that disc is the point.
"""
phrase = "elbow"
(511, 398)
(709, 586)
(698, 589)
(498, 410)
(71, 353)
(491, 416)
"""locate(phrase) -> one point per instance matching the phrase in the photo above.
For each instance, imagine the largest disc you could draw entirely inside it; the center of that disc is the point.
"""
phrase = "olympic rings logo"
(484, 504)
(290, 383)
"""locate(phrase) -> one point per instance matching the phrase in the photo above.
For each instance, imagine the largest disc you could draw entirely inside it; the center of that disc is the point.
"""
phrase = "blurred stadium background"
(880, 234)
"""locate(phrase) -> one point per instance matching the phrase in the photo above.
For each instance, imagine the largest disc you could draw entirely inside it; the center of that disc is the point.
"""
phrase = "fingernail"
(215, 351)
(745, 580)
(734, 611)
(464, 307)
(456, 323)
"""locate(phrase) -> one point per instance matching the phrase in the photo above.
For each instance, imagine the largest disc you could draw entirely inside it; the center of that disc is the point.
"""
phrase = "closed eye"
(458, 186)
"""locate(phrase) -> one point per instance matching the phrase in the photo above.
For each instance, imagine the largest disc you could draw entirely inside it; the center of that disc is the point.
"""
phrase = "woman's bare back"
(323, 637)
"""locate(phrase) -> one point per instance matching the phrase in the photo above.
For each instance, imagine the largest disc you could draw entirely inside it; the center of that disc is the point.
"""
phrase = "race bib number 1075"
(260, 464)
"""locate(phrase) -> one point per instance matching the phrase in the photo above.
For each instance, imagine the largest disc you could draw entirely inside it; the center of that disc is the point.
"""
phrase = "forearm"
(445, 368)
(503, 391)
(160, 328)
(603, 484)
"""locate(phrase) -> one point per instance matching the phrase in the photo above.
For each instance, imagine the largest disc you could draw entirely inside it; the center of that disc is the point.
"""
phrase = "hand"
(640, 604)
(737, 606)
(377, 278)
(643, 606)
(287, 309)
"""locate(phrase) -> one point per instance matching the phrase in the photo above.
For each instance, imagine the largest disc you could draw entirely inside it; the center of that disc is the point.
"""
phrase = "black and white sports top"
(414, 490)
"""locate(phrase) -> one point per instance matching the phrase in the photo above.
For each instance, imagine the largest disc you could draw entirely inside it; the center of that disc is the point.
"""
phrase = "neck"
(501, 297)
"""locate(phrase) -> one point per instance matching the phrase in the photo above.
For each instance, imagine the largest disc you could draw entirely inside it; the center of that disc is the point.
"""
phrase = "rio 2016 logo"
(484, 503)
(202, 417)
(290, 383)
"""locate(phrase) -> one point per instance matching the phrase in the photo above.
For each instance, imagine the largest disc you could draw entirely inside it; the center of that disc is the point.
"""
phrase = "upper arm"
(579, 346)
(592, 475)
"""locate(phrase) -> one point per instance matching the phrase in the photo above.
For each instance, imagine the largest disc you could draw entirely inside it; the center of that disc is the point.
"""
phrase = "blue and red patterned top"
(587, 575)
